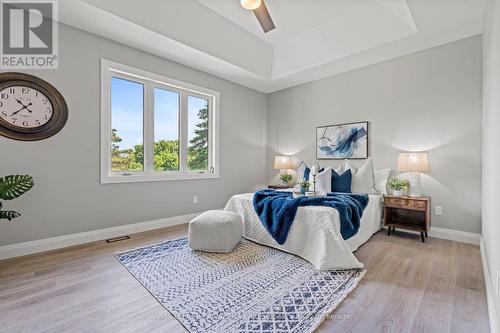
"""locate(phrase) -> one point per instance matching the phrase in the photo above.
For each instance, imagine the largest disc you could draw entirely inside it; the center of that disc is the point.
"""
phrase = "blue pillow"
(307, 171)
(341, 183)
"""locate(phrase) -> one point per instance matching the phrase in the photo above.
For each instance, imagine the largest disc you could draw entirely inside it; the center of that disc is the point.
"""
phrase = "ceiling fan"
(260, 10)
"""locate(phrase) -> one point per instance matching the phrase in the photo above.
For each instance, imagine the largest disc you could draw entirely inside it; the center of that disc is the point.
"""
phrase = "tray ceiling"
(313, 38)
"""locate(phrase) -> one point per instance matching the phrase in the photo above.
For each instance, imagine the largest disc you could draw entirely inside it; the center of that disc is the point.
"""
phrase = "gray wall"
(429, 100)
(68, 196)
(491, 141)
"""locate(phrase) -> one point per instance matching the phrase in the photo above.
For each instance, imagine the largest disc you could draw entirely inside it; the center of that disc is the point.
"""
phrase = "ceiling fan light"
(250, 4)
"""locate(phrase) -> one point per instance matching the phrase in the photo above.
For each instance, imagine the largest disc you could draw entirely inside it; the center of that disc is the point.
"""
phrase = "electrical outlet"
(497, 284)
(438, 210)
(195, 199)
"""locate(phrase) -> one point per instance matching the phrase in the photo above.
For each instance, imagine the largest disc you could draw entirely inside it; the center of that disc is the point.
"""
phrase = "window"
(156, 128)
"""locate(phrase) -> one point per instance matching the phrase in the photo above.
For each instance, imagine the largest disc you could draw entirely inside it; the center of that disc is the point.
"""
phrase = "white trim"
(160, 176)
(47, 244)
(151, 81)
(455, 235)
(450, 234)
(490, 292)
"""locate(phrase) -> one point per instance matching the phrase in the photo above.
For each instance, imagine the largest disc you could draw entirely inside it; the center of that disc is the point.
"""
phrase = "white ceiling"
(313, 38)
(292, 17)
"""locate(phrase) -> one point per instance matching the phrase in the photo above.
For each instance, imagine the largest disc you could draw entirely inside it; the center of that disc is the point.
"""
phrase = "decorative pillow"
(303, 171)
(323, 181)
(321, 169)
(380, 177)
(341, 183)
(362, 177)
(307, 172)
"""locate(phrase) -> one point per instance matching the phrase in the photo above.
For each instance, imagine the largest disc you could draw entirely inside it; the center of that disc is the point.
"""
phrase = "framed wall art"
(342, 141)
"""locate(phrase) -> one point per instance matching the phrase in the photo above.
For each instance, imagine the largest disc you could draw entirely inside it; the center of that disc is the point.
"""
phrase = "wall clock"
(30, 108)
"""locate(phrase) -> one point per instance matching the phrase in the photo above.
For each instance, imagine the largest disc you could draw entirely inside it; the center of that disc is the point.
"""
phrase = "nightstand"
(278, 186)
(411, 213)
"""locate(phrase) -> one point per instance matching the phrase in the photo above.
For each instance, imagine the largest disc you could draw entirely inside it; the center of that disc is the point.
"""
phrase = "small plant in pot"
(12, 187)
(286, 178)
(304, 186)
(398, 186)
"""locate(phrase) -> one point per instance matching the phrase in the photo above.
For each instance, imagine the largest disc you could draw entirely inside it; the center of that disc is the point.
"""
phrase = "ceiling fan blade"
(265, 20)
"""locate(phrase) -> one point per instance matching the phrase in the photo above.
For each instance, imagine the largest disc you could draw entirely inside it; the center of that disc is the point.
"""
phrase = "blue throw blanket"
(277, 210)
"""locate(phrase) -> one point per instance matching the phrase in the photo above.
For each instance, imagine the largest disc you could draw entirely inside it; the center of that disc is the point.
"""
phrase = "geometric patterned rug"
(253, 288)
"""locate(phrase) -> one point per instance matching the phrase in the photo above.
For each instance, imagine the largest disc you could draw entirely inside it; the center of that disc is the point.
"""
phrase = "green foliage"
(399, 184)
(8, 215)
(286, 178)
(125, 159)
(304, 183)
(166, 152)
(166, 155)
(198, 146)
(12, 187)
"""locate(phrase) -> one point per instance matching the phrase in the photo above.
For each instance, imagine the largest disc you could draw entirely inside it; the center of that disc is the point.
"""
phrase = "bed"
(315, 234)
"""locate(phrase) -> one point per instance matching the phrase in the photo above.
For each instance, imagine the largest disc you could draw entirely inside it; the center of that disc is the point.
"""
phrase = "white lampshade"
(413, 162)
(283, 162)
(250, 4)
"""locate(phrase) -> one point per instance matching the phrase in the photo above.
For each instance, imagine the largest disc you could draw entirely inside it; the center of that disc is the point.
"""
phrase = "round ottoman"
(215, 231)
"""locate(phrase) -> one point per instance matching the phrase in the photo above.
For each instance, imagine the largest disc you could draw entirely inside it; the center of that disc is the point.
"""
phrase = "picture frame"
(342, 141)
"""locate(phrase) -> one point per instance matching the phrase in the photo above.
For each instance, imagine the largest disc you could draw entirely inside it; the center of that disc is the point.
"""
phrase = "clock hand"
(16, 112)
(29, 109)
(19, 101)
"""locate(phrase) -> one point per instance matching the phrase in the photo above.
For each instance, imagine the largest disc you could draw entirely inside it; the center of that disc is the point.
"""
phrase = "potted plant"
(286, 178)
(304, 186)
(398, 186)
(12, 187)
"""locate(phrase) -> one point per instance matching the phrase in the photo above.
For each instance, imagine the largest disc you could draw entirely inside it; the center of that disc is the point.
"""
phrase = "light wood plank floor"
(409, 287)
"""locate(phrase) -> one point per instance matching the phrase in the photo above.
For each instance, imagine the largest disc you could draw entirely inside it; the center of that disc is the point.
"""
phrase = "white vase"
(397, 193)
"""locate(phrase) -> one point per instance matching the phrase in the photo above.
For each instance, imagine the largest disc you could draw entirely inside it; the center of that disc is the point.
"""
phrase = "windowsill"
(140, 178)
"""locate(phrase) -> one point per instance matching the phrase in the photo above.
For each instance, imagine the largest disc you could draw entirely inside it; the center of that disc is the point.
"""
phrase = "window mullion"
(148, 129)
(183, 132)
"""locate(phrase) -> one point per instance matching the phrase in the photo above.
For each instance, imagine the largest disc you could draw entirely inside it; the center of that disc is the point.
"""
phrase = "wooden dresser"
(408, 213)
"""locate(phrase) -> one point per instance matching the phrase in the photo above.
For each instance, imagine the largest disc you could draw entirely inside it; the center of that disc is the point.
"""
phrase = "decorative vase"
(397, 193)
(303, 190)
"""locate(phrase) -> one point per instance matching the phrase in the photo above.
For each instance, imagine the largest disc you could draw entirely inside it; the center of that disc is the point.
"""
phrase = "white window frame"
(110, 69)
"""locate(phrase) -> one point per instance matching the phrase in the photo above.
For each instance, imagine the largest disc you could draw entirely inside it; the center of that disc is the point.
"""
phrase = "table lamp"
(283, 163)
(414, 163)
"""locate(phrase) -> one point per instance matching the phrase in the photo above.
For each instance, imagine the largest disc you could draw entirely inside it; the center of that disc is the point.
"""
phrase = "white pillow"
(323, 181)
(362, 177)
(380, 177)
(300, 170)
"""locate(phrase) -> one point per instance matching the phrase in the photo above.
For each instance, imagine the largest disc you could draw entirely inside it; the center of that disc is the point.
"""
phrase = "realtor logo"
(29, 34)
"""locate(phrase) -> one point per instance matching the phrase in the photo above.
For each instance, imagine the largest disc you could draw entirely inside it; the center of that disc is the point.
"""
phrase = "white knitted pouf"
(215, 231)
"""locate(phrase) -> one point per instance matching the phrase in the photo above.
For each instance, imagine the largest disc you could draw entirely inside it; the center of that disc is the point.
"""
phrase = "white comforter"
(315, 232)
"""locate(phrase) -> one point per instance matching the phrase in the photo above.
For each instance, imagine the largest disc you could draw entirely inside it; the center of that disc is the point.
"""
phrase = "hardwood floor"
(409, 287)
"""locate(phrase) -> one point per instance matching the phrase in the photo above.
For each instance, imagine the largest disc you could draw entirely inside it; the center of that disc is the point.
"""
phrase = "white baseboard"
(455, 235)
(451, 234)
(490, 292)
(47, 244)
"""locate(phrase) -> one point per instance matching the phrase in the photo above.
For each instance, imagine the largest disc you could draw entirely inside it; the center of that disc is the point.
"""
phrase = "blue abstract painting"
(342, 141)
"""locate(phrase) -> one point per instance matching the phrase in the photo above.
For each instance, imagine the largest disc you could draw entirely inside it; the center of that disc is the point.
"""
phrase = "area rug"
(251, 289)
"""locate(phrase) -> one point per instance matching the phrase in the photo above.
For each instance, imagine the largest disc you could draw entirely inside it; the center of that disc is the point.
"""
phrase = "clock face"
(24, 107)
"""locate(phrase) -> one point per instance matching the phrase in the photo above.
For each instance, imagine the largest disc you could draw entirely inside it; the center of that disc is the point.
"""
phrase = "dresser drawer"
(406, 203)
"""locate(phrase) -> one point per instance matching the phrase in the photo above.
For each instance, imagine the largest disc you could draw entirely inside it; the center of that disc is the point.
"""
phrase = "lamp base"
(414, 189)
